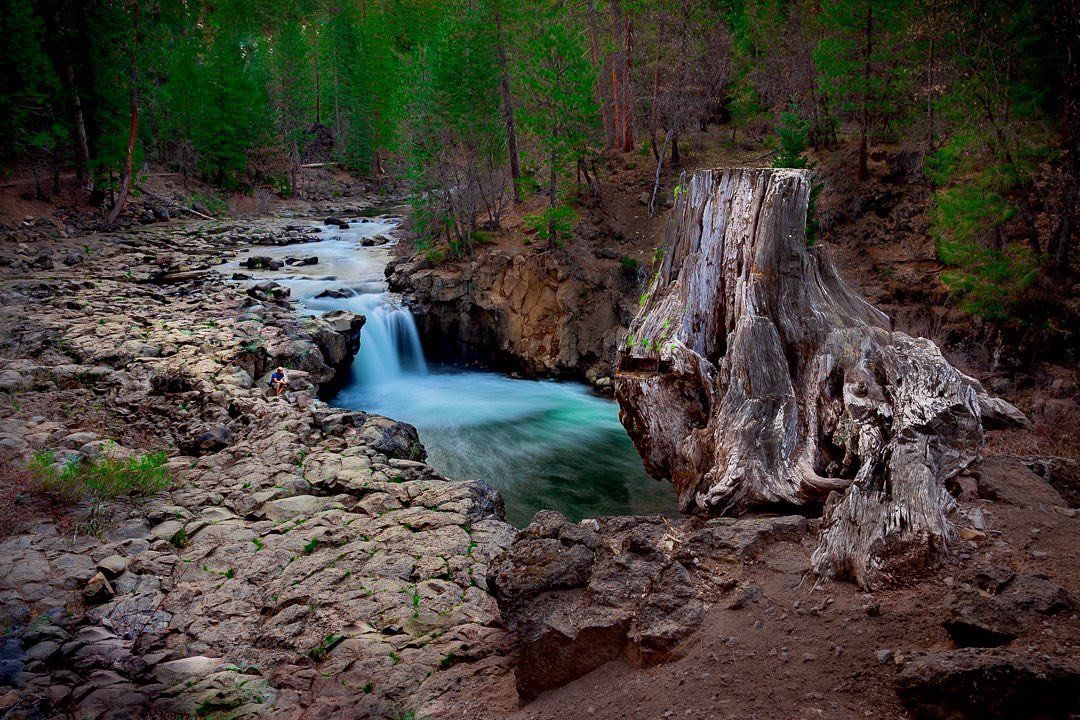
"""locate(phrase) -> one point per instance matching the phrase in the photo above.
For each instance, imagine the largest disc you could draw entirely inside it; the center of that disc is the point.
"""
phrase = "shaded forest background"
(477, 104)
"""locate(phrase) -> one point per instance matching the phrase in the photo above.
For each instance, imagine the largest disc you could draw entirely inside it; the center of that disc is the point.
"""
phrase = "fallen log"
(752, 377)
(167, 201)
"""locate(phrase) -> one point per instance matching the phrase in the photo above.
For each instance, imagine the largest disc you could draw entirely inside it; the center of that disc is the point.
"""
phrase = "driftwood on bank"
(752, 377)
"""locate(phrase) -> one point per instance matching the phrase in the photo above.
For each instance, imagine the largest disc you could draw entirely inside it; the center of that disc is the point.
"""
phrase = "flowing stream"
(543, 444)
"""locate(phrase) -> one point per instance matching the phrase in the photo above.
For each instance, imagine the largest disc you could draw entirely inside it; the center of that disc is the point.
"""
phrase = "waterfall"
(389, 343)
(543, 445)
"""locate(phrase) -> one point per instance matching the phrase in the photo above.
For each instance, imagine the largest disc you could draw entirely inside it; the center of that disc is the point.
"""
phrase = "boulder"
(392, 438)
(112, 565)
(980, 621)
(269, 291)
(336, 293)
(299, 354)
(982, 684)
(337, 335)
(98, 589)
(1063, 474)
(578, 595)
(209, 440)
(1011, 481)
(262, 262)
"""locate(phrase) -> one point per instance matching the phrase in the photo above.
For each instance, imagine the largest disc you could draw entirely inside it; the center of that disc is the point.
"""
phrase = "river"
(543, 444)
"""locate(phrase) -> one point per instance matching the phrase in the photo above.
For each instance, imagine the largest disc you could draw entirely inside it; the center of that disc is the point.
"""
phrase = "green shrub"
(629, 266)
(484, 237)
(554, 225)
(104, 478)
(210, 202)
(987, 280)
(791, 140)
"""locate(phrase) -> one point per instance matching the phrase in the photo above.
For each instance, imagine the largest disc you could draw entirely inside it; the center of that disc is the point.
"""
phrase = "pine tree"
(293, 95)
(560, 109)
(859, 60)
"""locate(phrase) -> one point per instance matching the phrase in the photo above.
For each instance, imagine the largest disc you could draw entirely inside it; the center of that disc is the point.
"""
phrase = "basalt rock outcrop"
(304, 561)
(337, 335)
(576, 596)
(752, 377)
(538, 313)
(975, 683)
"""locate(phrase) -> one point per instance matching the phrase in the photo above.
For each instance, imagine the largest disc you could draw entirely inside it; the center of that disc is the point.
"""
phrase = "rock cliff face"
(752, 377)
(541, 313)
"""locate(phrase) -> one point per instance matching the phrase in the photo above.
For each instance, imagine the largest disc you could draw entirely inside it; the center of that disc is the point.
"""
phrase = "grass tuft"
(100, 479)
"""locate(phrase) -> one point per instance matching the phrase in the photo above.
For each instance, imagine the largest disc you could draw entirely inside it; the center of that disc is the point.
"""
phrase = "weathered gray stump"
(753, 377)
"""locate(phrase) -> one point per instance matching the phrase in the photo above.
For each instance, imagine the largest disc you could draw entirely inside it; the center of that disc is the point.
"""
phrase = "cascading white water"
(542, 444)
(391, 342)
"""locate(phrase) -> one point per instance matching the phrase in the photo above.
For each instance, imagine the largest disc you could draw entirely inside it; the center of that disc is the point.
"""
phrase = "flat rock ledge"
(305, 563)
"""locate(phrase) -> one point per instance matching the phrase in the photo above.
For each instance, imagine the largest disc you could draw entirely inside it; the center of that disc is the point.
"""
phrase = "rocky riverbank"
(305, 562)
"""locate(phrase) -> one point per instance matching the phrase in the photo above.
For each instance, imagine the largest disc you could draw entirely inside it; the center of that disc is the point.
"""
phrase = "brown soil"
(805, 650)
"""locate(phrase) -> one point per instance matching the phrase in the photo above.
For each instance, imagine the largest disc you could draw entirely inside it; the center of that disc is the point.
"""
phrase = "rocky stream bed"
(307, 563)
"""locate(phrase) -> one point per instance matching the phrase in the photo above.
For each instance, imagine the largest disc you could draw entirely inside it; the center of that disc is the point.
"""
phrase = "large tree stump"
(753, 377)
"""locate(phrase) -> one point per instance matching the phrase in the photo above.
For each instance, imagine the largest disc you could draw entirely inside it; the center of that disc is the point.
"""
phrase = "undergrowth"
(103, 478)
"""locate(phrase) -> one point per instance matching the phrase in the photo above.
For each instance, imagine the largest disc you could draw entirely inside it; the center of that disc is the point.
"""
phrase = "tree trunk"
(601, 74)
(931, 135)
(620, 78)
(318, 95)
(125, 178)
(82, 145)
(627, 139)
(508, 107)
(39, 193)
(294, 166)
(753, 377)
(616, 105)
(668, 138)
(1067, 35)
(56, 171)
(553, 189)
(863, 171)
(654, 116)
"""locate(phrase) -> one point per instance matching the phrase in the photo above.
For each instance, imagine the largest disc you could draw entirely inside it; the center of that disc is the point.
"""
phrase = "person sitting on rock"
(278, 381)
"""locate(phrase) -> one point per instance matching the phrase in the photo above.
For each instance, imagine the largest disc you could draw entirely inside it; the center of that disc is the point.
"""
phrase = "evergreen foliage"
(477, 103)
